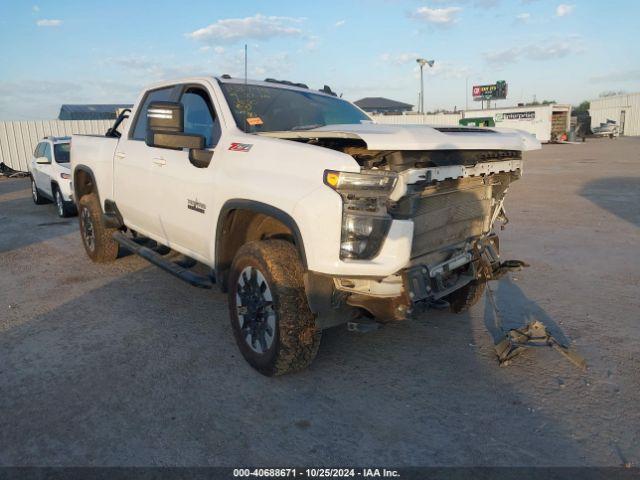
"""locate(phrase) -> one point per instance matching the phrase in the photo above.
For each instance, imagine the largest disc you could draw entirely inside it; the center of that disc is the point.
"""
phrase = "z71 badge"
(240, 147)
(195, 205)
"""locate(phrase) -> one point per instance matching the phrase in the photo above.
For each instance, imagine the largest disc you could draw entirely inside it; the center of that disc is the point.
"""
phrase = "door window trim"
(184, 87)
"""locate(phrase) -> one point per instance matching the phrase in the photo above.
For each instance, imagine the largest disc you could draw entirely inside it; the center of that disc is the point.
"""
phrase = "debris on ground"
(534, 334)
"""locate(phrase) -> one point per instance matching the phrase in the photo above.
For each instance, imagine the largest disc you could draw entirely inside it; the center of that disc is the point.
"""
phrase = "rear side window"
(160, 95)
(61, 152)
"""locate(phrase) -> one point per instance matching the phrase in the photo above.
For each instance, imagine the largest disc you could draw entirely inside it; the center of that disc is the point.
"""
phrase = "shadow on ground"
(618, 195)
(22, 223)
(516, 310)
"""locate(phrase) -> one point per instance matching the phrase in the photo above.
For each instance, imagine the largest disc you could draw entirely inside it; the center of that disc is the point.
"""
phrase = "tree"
(583, 107)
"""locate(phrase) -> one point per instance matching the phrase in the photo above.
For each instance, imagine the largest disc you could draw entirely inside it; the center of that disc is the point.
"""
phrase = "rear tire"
(35, 194)
(272, 324)
(64, 209)
(96, 238)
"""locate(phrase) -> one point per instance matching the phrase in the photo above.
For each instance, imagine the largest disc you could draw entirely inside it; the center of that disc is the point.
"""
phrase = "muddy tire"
(465, 298)
(270, 317)
(96, 238)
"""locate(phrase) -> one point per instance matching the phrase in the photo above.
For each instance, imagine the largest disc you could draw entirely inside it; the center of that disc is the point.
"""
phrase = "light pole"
(466, 94)
(422, 62)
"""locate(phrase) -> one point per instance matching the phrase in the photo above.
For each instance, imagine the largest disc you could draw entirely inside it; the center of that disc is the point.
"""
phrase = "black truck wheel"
(97, 239)
(272, 324)
(465, 298)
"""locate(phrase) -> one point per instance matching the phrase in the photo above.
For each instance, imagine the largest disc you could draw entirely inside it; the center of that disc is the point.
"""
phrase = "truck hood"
(421, 137)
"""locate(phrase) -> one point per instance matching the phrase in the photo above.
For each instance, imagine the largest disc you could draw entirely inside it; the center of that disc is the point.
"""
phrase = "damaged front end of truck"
(453, 196)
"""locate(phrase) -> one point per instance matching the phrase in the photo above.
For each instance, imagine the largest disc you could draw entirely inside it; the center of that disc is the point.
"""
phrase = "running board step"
(158, 260)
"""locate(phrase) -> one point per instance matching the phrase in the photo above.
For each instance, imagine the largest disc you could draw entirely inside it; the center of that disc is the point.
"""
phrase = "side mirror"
(42, 161)
(165, 127)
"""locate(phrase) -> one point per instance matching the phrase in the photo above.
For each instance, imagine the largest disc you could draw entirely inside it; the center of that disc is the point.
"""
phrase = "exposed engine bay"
(453, 197)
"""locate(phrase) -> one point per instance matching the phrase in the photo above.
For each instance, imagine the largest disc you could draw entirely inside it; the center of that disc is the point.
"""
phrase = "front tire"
(272, 324)
(97, 239)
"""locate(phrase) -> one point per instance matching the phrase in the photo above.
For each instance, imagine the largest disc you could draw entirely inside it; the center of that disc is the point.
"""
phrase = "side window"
(160, 95)
(199, 116)
(47, 151)
(39, 150)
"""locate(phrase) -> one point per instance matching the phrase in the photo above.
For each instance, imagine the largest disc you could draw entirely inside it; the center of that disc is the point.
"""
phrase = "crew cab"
(51, 175)
(303, 210)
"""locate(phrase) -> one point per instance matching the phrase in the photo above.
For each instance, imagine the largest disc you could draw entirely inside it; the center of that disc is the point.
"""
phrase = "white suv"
(50, 174)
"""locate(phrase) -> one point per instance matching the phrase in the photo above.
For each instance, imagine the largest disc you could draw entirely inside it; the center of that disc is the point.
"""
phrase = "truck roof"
(240, 81)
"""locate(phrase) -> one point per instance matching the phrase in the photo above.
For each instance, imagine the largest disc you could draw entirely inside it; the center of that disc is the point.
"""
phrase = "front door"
(135, 167)
(45, 171)
(188, 191)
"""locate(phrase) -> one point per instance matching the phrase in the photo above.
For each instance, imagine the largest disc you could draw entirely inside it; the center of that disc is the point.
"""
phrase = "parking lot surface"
(122, 364)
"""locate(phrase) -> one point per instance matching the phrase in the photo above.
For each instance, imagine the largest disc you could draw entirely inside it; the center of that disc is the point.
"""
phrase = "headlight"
(369, 182)
(365, 222)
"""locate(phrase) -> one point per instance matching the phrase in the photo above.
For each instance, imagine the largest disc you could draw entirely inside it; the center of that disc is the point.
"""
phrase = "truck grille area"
(448, 216)
(449, 213)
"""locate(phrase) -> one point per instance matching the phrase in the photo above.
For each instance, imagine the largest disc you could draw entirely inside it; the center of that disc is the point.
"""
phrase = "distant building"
(547, 122)
(623, 109)
(90, 112)
(383, 106)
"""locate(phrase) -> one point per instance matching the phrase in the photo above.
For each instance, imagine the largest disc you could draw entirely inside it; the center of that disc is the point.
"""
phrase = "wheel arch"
(84, 182)
(230, 237)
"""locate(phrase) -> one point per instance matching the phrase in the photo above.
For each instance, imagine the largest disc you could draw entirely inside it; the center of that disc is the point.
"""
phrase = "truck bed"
(97, 153)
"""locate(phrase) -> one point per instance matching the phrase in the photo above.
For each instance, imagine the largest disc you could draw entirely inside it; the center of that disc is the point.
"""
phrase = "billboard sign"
(495, 91)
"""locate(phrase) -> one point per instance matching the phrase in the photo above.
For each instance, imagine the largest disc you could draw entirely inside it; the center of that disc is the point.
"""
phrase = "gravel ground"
(125, 365)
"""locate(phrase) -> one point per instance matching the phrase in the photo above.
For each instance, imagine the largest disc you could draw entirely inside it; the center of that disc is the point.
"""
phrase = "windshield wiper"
(307, 127)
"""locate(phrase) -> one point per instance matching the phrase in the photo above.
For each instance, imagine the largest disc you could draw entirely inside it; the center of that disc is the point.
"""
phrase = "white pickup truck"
(306, 212)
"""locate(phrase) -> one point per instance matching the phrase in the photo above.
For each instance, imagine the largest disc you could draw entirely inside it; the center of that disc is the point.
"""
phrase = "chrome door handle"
(159, 161)
(120, 155)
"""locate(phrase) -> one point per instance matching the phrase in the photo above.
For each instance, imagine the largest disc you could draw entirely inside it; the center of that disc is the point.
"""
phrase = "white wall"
(18, 140)
(611, 108)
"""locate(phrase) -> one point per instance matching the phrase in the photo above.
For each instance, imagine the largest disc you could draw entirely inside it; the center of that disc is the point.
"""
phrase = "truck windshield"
(258, 108)
(61, 152)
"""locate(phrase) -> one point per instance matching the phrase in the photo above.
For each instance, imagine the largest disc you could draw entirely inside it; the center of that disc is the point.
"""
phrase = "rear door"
(135, 165)
(188, 192)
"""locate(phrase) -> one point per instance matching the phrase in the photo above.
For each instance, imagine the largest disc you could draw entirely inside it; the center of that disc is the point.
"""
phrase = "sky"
(60, 51)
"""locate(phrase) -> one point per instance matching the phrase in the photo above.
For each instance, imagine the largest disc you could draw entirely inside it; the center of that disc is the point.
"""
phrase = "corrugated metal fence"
(429, 119)
(18, 140)
(611, 108)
